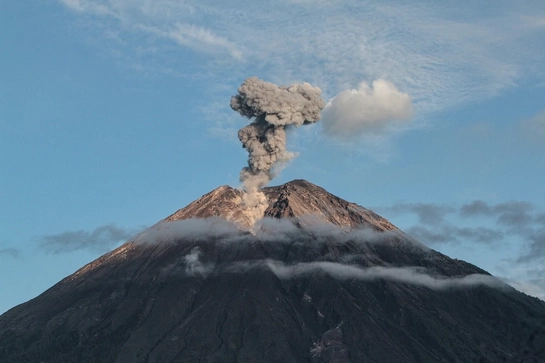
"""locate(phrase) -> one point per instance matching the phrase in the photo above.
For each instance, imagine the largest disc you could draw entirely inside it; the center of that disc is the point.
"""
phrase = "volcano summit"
(317, 279)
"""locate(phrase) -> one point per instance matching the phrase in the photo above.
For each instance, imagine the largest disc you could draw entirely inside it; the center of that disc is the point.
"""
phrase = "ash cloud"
(273, 110)
(101, 239)
(366, 110)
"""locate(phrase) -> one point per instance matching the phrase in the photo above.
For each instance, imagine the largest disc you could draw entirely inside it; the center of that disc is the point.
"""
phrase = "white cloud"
(441, 57)
(408, 275)
(221, 232)
(193, 228)
(74, 4)
(83, 6)
(160, 19)
(266, 230)
(366, 110)
(194, 266)
(412, 275)
(203, 39)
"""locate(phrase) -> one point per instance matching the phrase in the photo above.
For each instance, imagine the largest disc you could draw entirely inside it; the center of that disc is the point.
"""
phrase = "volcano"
(318, 279)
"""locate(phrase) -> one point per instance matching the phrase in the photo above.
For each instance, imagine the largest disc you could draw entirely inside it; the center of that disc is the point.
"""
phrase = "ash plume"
(273, 109)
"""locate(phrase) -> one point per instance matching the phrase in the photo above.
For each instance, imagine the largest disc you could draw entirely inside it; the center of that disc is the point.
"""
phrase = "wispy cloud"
(532, 287)
(428, 213)
(142, 25)
(408, 275)
(534, 21)
(526, 277)
(452, 234)
(513, 218)
(513, 213)
(440, 55)
(499, 222)
(203, 39)
(194, 37)
(10, 251)
(101, 239)
(85, 6)
(533, 128)
(535, 250)
(487, 224)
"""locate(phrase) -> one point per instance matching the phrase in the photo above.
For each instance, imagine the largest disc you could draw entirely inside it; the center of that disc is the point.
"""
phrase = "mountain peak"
(202, 290)
(298, 199)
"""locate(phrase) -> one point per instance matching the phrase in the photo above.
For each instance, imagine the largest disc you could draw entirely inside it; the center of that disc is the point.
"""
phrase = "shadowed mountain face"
(320, 280)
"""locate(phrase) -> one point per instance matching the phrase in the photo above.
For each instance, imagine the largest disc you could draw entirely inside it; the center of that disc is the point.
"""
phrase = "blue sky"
(115, 113)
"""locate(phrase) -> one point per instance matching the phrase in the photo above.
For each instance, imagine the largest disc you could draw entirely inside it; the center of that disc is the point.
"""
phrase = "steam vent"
(319, 279)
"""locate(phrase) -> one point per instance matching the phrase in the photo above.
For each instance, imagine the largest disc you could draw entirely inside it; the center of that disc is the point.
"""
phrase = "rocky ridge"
(298, 199)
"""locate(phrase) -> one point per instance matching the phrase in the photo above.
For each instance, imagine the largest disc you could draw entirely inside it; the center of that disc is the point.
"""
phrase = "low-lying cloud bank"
(266, 230)
(407, 275)
(273, 229)
(194, 228)
(270, 230)
(411, 275)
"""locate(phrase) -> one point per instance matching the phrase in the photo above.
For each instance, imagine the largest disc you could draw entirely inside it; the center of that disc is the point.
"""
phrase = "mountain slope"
(322, 280)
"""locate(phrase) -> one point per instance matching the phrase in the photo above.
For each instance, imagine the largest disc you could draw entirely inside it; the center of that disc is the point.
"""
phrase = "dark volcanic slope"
(214, 297)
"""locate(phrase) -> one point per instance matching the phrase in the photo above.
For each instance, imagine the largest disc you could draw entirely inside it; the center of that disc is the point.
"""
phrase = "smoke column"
(273, 109)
